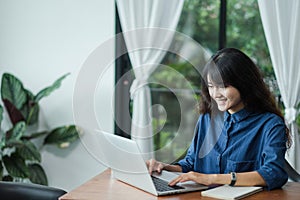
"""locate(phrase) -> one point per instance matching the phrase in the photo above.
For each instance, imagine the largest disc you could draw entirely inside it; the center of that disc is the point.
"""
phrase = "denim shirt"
(244, 142)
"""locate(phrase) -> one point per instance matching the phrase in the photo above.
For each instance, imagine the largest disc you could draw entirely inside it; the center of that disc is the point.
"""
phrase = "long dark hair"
(230, 66)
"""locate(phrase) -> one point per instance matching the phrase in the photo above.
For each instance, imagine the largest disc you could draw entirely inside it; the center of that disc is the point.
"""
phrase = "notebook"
(228, 192)
(127, 165)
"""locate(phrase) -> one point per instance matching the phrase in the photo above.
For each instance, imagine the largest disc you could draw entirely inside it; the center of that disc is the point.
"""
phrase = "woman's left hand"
(192, 176)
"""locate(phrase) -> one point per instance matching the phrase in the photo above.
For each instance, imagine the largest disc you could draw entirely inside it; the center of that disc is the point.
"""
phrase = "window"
(200, 21)
(245, 32)
(207, 23)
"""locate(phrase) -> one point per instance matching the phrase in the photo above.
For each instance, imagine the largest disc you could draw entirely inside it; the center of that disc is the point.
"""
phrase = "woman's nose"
(215, 92)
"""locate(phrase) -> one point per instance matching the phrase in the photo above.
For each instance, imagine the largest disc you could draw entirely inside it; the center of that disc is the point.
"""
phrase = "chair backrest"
(292, 173)
(28, 191)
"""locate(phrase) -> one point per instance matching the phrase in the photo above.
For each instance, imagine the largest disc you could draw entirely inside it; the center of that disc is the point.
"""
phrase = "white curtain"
(148, 27)
(281, 22)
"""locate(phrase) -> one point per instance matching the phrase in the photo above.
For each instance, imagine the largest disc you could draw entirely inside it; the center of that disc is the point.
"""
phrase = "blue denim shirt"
(242, 142)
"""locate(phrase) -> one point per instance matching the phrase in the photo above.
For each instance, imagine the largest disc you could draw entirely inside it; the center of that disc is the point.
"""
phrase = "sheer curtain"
(148, 28)
(281, 22)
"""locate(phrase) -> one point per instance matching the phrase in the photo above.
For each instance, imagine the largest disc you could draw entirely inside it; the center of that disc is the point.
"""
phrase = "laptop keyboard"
(162, 185)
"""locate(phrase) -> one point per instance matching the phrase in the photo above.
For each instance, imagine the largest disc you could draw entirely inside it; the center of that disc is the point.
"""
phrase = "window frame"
(123, 65)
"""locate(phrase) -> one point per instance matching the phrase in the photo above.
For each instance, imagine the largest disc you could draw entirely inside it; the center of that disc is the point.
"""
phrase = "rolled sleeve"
(186, 164)
(273, 171)
(273, 181)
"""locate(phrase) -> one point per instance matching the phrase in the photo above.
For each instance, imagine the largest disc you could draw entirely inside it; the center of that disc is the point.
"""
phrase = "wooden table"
(104, 187)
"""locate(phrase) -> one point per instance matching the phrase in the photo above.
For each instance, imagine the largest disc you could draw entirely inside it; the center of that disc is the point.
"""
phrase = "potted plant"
(19, 152)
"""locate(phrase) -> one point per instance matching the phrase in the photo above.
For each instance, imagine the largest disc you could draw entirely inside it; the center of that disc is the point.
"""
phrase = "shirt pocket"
(241, 166)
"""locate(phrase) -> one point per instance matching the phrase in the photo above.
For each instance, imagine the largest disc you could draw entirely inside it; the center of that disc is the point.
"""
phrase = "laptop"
(122, 155)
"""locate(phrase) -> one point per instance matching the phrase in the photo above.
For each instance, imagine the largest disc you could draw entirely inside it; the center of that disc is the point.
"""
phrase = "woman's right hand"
(155, 166)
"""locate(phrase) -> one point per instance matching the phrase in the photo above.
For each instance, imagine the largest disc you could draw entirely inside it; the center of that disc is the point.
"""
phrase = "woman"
(249, 147)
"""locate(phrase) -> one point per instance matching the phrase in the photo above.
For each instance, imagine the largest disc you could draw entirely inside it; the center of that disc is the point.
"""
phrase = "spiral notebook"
(228, 192)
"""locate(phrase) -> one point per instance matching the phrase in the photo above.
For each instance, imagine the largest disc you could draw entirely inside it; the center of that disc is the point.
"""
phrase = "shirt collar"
(236, 117)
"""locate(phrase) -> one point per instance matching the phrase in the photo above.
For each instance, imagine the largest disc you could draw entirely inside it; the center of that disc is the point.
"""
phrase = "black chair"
(292, 173)
(28, 191)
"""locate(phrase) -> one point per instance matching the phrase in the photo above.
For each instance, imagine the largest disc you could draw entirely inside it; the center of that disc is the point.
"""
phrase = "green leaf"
(16, 132)
(28, 151)
(30, 109)
(37, 174)
(35, 135)
(15, 166)
(62, 136)
(48, 90)
(12, 90)
(2, 141)
(29, 94)
(33, 114)
(14, 114)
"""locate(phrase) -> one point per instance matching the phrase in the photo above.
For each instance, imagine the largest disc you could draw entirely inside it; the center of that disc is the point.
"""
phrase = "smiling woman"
(226, 97)
(240, 135)
(200, 20)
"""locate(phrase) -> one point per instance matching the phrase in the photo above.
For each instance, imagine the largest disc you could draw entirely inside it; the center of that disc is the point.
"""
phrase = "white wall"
(40, 40)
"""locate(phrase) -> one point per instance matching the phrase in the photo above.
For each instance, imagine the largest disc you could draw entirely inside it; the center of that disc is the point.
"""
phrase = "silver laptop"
(127, 165)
